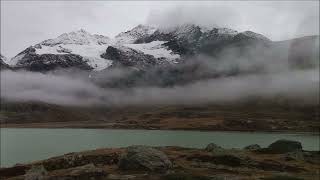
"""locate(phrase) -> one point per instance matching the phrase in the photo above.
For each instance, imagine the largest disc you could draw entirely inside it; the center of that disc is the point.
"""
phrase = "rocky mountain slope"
(138, 32)
(3, 64)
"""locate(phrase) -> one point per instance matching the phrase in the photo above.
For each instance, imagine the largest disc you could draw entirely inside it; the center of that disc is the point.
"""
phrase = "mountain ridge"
(170, 45)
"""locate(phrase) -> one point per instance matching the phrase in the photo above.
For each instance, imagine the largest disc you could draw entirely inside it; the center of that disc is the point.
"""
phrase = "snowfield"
(156, 49)
(91, 53)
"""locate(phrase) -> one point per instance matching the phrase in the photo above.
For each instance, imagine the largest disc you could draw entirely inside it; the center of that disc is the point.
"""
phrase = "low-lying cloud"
(63, 90)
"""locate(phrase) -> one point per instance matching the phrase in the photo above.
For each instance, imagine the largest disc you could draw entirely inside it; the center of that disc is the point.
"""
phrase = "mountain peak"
(82, 31)
(79, 37)
(187, 28)
(137, 32)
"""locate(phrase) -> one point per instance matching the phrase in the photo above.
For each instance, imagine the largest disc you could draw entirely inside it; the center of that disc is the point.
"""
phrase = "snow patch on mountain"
(13, 61)
(90, 52)
(156, 49)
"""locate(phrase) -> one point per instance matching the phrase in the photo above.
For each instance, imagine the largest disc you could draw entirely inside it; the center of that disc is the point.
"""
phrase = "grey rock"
(29, 60)
(63, 50)
(85, 172)
(284, 146)
(36, 173)
(128, 57)
(144, 158)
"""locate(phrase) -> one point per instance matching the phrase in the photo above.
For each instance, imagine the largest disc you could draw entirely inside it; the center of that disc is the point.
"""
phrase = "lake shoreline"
(85, 125)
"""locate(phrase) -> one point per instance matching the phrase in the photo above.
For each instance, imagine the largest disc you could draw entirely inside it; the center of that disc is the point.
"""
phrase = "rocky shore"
(282, 159)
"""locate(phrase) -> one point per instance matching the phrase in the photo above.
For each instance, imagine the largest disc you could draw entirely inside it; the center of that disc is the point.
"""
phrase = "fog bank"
(63, 90)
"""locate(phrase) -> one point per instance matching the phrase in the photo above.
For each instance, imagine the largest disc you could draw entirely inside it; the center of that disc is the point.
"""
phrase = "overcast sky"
(25, 23)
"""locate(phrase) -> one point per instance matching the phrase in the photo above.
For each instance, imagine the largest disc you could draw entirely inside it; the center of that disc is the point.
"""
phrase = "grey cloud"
(24, 23)
(277, 20)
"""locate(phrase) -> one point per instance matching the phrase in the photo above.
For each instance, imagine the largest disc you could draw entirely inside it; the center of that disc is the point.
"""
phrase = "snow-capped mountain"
(89, 46)
(81, 43)
(141, 47)
(191, 39)
(87, 49)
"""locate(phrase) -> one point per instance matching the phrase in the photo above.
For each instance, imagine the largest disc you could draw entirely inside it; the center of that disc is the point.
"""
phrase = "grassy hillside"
(249, 116)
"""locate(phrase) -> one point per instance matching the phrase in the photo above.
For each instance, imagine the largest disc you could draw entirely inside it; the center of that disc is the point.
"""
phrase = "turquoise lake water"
(28, 144)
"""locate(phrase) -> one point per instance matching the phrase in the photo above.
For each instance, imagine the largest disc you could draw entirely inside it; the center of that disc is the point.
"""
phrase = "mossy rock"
(144, 158)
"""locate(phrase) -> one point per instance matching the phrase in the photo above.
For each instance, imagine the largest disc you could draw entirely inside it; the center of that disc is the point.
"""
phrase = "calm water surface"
(25, 145)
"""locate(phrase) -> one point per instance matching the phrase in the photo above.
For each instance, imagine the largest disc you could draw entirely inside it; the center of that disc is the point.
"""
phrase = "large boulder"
(144, 158)
(284, 146)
